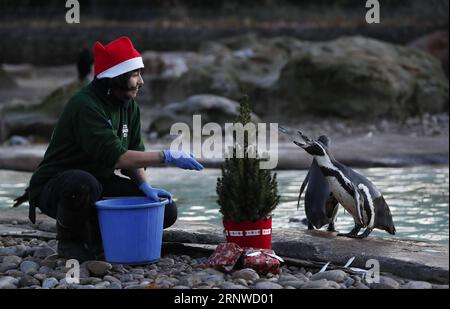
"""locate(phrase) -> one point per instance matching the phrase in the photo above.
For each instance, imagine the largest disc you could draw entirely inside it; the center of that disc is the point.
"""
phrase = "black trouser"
(70, 199)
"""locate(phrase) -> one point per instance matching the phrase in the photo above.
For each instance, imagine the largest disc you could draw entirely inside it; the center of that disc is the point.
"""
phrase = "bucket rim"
(102, 204)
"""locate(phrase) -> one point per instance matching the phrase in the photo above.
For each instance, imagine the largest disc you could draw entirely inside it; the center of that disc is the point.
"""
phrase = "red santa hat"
(116, 58)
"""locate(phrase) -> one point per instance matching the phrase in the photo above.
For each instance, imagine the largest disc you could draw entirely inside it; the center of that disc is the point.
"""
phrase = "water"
(417, 196)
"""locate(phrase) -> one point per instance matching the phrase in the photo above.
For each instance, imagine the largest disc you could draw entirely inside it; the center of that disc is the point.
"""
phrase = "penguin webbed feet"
(354, 233)
(331, 228)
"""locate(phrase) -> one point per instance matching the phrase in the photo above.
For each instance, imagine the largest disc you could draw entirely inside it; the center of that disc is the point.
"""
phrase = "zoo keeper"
(99, 132)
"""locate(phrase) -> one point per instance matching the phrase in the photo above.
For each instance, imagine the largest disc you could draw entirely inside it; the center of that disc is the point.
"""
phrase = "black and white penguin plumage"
(321, 206)
(352, 190)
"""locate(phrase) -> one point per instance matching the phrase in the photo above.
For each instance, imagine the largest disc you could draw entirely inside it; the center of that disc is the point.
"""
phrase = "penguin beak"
(300, 144)
(306, 143)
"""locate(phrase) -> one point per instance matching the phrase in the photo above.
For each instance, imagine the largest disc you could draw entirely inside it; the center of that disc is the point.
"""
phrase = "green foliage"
(246, 192)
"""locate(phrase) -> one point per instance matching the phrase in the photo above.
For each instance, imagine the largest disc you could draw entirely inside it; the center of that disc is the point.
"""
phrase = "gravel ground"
(34, 264)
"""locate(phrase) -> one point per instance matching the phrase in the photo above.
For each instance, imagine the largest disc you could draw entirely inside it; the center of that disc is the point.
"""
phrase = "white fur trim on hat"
(123, 67)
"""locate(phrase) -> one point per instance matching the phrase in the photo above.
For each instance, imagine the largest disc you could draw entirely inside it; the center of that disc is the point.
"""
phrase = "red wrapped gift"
(225, 256)
(263, 261)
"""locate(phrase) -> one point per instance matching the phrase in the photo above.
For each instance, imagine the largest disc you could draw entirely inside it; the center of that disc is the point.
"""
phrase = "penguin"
(357, 194)
(321, 207)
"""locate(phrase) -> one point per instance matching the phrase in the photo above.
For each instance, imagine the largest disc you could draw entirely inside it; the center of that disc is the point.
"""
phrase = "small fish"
(324, 267)
(349, 262)
(283, 130)
(275, 256)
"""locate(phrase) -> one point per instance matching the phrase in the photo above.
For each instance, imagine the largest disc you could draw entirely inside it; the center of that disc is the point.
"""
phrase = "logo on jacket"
(125, 130)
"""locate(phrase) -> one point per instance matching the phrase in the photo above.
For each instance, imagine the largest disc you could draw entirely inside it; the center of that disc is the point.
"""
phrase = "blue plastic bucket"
(131, 229)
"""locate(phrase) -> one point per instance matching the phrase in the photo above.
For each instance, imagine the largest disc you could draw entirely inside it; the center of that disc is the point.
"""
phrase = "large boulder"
(227, 68)
(37, 120)
(212, 108)
(359, 77)
(6, 80)
(436, 44)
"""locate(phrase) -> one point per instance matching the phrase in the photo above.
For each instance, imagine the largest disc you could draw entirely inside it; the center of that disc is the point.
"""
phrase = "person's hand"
(181, 159)
(154, 193)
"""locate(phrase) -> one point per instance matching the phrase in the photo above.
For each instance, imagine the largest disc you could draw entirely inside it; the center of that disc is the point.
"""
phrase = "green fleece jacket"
(93, 131)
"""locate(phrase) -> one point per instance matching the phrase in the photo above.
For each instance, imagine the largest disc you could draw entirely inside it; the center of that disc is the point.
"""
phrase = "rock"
(14, 273)
(181, 287)
(8, 282)
(212, 108)
(4, 267)
(13, 259)
(29, 267)
(331, 275)
(102, 285)
(49, 283)
(98, 268)
(317, 284)
(40, 277)
(50, 261)
(19, 250)
(287, 277)
(166, 262)
(214, 279)
(230, 285)
(385, 283)
(361, 286)
(298, 284)
(6, 80)
(28, 280)
(111, 279)
(44, 270)
(240, 281)
(347, 77)
(191, 280)
(17, 140)
(246, 274)
(417, 285)
(349, 282)
(40, 119)
(90, 281)
(115, 286)
(43, 252)
(267, 285)
(436, 44)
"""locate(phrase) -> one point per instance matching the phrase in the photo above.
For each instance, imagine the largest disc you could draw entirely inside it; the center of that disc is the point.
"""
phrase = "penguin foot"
(331, 228)
(364, 234)
(353, 233)
(349, 235)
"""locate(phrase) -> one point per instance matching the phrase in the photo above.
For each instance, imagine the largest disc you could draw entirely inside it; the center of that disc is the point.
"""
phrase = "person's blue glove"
(154, 193)
(181, 159)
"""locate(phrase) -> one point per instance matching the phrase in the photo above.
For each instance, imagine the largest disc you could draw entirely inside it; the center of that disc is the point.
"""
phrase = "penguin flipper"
(302, 188)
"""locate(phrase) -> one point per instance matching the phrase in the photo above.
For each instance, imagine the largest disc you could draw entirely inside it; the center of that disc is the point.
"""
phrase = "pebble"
(29, 267)
(49, 283)
(8, 282)
(267, 285)
(19, 250)
(331, 275)
(317, 284)
(246, 274)
(98, 268)
(421, 285)
(385, 283)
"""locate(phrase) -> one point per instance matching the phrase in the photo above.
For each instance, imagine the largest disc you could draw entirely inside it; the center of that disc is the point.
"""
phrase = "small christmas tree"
(245, 191)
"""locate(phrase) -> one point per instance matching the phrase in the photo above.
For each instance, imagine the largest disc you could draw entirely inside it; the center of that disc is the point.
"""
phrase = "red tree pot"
(255, 234)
